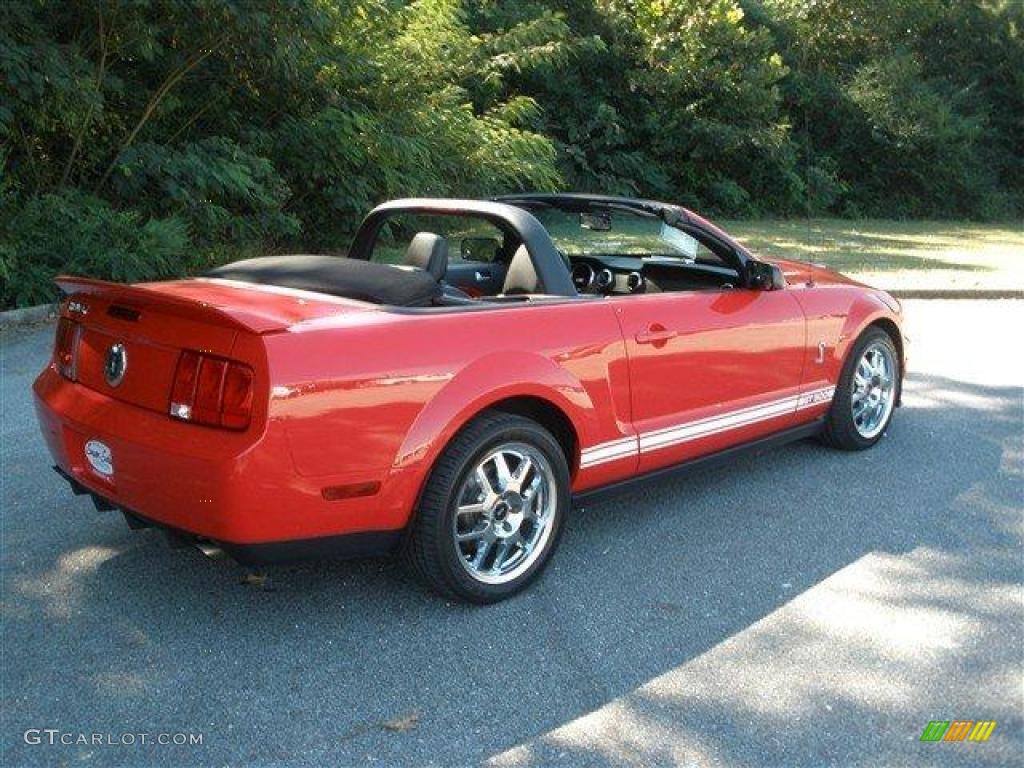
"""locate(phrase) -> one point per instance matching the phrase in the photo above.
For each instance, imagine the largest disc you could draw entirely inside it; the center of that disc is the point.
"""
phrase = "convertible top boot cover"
(337, 276)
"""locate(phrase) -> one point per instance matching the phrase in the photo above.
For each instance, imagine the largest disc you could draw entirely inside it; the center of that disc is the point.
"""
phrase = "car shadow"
(346, 662)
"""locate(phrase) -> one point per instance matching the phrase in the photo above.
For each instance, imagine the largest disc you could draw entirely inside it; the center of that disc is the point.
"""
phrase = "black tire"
(841, 430)
(430, 550)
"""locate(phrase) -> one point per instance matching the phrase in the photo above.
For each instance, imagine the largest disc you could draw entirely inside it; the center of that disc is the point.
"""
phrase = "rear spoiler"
(247, 313)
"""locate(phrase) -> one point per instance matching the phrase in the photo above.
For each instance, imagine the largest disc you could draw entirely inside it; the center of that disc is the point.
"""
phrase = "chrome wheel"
(874, 390)
(505, 512)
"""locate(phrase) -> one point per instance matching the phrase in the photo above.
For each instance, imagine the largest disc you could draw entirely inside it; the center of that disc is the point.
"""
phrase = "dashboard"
(597, 278)
(614, 275)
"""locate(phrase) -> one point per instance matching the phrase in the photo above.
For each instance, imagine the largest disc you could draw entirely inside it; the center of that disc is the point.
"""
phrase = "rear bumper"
(351, 545)
(239, 490)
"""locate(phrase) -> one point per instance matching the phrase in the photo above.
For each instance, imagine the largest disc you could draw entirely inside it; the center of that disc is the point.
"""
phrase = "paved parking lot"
(804, 607)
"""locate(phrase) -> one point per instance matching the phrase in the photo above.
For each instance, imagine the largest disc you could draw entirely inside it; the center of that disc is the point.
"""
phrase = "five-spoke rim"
(874, 390)
(505, 510)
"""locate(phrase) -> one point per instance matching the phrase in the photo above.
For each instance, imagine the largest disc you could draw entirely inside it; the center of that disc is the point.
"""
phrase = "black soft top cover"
(337, 276)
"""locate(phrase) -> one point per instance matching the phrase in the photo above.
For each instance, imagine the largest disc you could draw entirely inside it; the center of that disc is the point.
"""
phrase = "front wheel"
(492, 510)
(866, 393)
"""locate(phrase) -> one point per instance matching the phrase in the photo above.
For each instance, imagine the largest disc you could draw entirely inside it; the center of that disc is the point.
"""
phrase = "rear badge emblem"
(98, 455)
(116, 364)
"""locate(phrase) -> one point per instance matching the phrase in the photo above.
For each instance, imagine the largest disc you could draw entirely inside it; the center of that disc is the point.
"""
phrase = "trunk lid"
(131, 336)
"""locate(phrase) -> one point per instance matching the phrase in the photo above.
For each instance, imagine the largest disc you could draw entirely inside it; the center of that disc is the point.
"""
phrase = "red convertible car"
(450, 388)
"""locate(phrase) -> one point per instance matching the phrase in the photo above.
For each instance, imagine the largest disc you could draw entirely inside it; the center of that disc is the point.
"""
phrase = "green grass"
(897, 254)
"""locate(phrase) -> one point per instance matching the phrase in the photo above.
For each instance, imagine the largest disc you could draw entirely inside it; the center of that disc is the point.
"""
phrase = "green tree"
(213, 129)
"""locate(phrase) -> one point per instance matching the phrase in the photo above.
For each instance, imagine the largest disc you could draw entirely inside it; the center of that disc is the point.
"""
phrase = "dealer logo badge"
(116, 364)
(99, 457)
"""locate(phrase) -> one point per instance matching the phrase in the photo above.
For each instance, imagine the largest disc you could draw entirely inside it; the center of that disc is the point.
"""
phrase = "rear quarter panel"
(376, 397)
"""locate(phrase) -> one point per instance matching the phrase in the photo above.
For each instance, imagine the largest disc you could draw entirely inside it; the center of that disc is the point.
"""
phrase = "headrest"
(521, 276)
(429, 252)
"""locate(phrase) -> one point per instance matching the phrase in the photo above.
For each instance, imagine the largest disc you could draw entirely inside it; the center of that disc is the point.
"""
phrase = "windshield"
(607, 232)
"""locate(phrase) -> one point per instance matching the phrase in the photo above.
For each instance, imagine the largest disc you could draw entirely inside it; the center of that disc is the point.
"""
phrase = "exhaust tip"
(210, 549)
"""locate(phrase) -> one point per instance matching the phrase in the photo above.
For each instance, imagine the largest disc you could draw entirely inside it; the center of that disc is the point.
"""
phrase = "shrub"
(225, 194)
(76, 233)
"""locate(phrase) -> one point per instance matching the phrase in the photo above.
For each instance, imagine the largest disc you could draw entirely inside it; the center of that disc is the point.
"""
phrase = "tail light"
(212, 391)
(65, 348)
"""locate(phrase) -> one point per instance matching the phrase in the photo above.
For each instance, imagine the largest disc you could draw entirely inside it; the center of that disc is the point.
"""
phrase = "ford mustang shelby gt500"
(448, 388)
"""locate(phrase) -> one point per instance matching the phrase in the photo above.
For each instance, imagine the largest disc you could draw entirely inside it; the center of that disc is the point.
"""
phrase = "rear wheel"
(492, 511)
(866, 394)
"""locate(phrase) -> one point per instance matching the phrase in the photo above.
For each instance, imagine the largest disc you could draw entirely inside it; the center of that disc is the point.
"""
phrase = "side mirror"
(764, 277)
(479, 248)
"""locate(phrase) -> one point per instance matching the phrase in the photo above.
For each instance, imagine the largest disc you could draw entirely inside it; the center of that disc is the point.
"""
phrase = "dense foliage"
(145, 138)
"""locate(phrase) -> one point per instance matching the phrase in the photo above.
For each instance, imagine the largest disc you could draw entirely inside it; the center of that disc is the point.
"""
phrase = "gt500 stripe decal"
(693, 430)
(815, 397)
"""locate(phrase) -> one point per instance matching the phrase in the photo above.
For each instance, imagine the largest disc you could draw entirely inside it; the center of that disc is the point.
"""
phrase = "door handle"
(655, 334)
(481, 276)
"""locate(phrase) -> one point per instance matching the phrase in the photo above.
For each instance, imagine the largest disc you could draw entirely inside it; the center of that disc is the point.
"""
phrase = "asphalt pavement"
(802, 607)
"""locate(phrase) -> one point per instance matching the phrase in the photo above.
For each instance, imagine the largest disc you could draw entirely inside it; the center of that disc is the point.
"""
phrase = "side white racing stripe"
(693, 430)
(603, 452)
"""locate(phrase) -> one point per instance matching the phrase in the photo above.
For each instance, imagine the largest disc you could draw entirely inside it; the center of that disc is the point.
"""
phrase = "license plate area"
(100, 458)
(93, 459)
